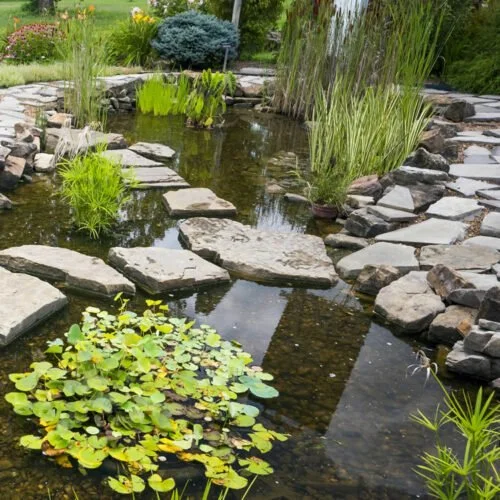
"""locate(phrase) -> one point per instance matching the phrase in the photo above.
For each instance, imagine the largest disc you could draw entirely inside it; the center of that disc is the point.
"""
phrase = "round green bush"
(196, 40)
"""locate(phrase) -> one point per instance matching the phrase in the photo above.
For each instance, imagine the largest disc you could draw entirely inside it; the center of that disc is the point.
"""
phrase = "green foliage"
(169, 8)
(195, 40)
(95, 189)
(135, 388)
(33, 6)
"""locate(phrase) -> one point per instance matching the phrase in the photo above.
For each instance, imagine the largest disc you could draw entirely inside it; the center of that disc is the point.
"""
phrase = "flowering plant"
(168, 8)
(139, 16)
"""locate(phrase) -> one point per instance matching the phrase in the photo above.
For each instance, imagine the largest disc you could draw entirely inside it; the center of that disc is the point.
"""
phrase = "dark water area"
(344, 394)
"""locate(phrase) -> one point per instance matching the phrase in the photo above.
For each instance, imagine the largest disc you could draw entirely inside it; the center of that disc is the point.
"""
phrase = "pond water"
(344, 395)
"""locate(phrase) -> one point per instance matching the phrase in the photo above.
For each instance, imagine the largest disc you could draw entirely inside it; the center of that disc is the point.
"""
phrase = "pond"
(344, 395)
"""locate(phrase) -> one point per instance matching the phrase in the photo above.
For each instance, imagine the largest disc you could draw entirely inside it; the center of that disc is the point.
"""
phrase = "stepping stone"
(475, 139)
(25, 301)
(392, 215)
(476, 150)
(157, 152)
(408, 176)
(469, 187)
(79, 272)
(401, 257)
(340, 240)
(156, 177)
(493, 133)
(479, 160)
(473, 297)
(445, 329)
(479, 172)
(454, 208)
(44, 163)
(193, 202)
(399, 198)
(429, 232)
(458, 257)
(365, 225)
(484, 117)
(409, 303)
(490, 194)
(490, 204)
(491, 225)
(160, 270)
(127, 158)
(425, 195)
(484, 241)
(262, 256)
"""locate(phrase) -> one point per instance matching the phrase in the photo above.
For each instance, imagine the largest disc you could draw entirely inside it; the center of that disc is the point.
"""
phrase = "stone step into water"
(156, 177)
(454, 208)
(192, 202)
(429, 232)
(127, 158)
(25, 301)
(77, 271)
(262, 256)
(160, 270)
(156, 152)
(459, 257)
(401, 257)
(489, 173)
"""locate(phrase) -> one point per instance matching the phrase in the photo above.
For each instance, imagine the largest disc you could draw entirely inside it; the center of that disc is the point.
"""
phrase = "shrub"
(130, 42)
(168, 8)
(196, 40)
(136, 387)
(32, 43)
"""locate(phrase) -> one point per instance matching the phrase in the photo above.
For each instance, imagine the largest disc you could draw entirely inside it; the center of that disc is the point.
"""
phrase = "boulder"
(368, 185)
(493, 346)
(424, 195)
(80, 140)
(423, 159)
(373, 278)
(156, 152)
(59, 120)
(477, 339)
(489, 325)
(78, 271)
(193, 202)
(12, 173)
(432, 141)
(468, 363)
(444, 280)
(160, 270)
(262, 256)
(409, 304)
(4, 152)
(459, 110)
(25, 302)
(490, 307)
(447, 129)
(365, 225)
(44, 163)
(452, 325)
(472, 297)
(5, 203)
(346, 241)
(23, 150)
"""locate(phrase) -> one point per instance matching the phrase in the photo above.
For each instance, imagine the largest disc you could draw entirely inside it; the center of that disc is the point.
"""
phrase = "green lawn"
(107, 11)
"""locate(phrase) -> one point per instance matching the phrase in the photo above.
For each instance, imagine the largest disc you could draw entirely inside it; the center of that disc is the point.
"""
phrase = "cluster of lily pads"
(140, 389)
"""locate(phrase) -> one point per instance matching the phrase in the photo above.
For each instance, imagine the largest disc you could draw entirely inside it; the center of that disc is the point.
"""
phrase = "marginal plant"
(144, 390)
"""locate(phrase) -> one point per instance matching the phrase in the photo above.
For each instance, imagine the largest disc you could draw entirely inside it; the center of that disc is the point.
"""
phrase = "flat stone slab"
(262, 256)
(340, 240)
(490, 204)
(484, 117)
(75, 139)
(410, 175)
(401, 257)
(78, 271)
(193, 202)
(127, 158)
(44, 163)
(483, 241)
(475, 139)
(409, 303)
(489, 173)
(454, 208)
(469, 187)
(399, 198)
(458, 257)
(491, 225)
(160, 270)
(157, 152)
(490, 194)
(391, 214)
(25, 301)
(156, 177)
(429, 232)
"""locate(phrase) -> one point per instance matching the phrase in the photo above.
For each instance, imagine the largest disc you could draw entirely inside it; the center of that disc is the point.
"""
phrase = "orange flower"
(91, 9)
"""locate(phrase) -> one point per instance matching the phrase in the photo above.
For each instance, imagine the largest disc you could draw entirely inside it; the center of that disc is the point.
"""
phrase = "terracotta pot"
(324, 211)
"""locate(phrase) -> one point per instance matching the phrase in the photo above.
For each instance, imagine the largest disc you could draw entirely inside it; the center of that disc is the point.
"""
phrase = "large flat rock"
(483, 241)
(127, 158)
(429, 232)
(158, 270)
(262, 256)
(391, 214)
(409, 304)
(157, 152)
(469, 187)
(192, 202)
(78, 271)
(156, 177)
(25, 301)
(399, 198)
(401, 257)
(454, 208)
(459, 257)
(78, 140)
(491, 225)
(487, 172)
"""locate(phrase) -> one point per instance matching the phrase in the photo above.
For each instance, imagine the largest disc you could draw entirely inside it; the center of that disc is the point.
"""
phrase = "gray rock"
(493, 205)
(12, 173)
(193, 202)
(444, 280)
(156, 177)
(366, 225)
(157, 152)
(127, 158)
(429, 232)
(59, 120)
(472, 138)
(359, 201)
(23, 149)
(367, 186)
(467, 363)
(469, 187)
(424, 195)
(77, 140)
(392, 215)
(296, 198)
(493, 347)
(340, 240)
(423, 159)
(408, 176)
(489, 325)
(459, 110)
(373, 278)
(484, 117)
(454, 208)
(400, 257)
(458, 257)
(4, 152)
(80, 272)
(448, 327)
(25, 301)
(490, 194)
(472, 297)
(495, 384)
(409, 303)
(158, 270)
(398, 198)
(479, 160)
(477, 339)
(262, 256)
(44, 163)
(476, 151)
(490, 307)
(432, 141)
(447, 129)
(275, 189)
(5, 203)
(491, 225)
(483, 241)
(489, 173)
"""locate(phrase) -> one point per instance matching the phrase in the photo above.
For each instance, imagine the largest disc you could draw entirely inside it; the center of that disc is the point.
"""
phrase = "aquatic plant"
(472, 475)
(135, 388)
(95, 188)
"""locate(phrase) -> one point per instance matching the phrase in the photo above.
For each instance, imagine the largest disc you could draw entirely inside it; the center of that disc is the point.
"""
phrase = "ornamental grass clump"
(141, 388)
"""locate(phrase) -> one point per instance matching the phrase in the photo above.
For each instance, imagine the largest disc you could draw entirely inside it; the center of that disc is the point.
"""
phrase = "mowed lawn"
(107, 11)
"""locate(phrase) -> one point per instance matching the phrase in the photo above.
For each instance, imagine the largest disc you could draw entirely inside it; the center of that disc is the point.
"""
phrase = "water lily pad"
(161, 485)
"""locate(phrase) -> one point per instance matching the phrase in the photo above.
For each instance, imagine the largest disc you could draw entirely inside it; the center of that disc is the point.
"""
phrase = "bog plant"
(141, 388)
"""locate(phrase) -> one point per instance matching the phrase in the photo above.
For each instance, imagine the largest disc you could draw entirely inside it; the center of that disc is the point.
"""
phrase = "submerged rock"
(262, 256)
(12, 172)
(127, 158)
(5, 203)
(156, 152)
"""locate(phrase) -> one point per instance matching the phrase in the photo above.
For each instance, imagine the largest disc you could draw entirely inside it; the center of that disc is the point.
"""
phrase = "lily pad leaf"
(258, 388)
(257, 466)
(92, 430)
(31, 442)
(75, 335)
(28, 382)
(158, 484)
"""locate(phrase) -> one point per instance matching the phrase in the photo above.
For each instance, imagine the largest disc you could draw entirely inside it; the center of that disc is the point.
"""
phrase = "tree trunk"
(46, 5)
